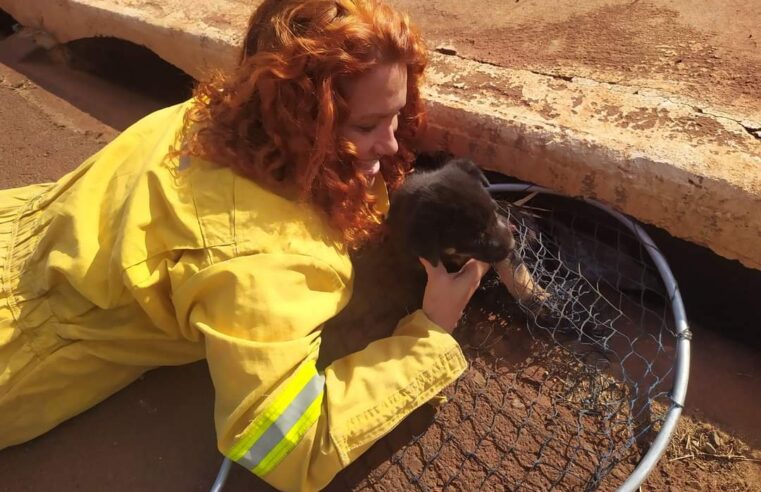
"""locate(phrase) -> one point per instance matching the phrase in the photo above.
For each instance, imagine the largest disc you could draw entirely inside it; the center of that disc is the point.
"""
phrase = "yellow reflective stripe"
(264, 420)
(292, 439)
(289, 419)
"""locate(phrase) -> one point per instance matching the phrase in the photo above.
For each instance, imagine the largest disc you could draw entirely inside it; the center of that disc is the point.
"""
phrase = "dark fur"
(436, 209)
(447, 215)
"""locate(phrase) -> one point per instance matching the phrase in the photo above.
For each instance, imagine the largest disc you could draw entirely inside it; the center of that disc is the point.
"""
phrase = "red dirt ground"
(157, 434)
(512, 421)
(701, 49)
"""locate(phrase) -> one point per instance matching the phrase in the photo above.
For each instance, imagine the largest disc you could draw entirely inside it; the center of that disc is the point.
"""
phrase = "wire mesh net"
(566, 386)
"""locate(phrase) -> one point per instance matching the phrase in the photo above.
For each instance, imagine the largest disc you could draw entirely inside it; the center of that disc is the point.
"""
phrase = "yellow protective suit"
(134, 261)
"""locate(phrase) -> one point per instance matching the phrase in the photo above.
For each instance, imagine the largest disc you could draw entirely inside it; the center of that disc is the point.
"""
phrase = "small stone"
(478, 378)
(446, 50)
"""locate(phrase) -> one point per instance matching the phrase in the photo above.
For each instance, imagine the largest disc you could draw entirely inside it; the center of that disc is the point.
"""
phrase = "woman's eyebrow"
(379, 115)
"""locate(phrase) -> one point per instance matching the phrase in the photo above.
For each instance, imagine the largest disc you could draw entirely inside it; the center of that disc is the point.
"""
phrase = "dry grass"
(701, 441)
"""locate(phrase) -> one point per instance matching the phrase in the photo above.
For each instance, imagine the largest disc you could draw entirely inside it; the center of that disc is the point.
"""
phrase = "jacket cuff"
(447, 364)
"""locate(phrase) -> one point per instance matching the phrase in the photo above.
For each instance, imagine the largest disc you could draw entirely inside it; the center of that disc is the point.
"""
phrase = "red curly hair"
(275, 117)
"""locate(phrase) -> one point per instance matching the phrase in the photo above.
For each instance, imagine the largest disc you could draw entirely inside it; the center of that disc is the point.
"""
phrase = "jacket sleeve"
(261, 317)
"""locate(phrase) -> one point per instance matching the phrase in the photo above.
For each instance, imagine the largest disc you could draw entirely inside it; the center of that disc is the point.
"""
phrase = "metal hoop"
(682, 361)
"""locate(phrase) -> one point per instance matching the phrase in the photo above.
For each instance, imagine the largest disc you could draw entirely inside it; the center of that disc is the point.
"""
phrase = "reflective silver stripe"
(277, 431)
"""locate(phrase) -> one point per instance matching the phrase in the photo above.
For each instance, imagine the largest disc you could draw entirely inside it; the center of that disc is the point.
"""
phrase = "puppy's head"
(447, 215)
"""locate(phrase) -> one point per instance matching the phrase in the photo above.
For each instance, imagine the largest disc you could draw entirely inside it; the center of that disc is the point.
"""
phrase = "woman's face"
(375, 100)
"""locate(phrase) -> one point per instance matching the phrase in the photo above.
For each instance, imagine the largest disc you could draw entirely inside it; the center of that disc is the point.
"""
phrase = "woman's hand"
(447, 294)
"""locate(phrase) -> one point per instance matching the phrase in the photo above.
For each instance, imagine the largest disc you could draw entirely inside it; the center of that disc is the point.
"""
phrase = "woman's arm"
(275, 414)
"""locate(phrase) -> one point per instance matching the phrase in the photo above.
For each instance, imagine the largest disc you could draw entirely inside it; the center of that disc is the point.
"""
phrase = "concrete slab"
(649, 105)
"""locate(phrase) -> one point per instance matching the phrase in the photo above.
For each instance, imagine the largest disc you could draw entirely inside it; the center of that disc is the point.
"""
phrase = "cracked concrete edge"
(662, 158)
(675, 200)
(664, 162)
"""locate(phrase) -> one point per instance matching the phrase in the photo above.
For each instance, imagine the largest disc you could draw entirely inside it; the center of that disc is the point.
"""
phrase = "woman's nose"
(386, 143)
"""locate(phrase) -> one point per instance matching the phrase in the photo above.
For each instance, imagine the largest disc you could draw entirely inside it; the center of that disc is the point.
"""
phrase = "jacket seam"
(445, 362)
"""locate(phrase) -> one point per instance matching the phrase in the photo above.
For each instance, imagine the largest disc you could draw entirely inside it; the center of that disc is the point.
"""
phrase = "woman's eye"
(365, 128)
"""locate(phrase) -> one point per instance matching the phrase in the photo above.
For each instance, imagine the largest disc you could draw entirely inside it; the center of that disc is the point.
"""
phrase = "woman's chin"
(369, 169)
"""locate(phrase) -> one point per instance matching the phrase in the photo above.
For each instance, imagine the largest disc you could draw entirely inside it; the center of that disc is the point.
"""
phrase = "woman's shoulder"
(238, 216)
(160, 121)
(230, 214)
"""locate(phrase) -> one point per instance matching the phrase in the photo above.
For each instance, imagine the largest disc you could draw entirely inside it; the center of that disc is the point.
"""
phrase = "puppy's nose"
(499, 248)
(504, 233)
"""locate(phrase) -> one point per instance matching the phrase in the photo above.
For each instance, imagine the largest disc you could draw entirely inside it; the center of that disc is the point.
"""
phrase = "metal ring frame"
(682, 362)
(681, 374)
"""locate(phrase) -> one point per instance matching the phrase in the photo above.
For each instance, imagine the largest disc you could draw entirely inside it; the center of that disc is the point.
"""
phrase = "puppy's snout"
(497, 249)
(498, 242)
(504, 233)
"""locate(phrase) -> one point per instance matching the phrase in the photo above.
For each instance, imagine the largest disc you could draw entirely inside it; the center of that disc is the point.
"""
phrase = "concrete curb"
(695, 174)
(689, 169)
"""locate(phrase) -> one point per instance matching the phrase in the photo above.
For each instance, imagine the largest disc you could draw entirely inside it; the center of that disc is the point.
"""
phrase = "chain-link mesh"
(565, 388)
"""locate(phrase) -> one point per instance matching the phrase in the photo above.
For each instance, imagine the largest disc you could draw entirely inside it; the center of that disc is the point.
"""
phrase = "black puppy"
(443, 214)
(446, 215)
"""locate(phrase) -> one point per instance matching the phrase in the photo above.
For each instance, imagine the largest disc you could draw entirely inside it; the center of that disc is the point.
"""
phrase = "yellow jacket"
(134, 260)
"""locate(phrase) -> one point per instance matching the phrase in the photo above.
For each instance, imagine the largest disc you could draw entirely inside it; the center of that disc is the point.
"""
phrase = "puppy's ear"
(431, 161)
(470, 167)
(427, 245)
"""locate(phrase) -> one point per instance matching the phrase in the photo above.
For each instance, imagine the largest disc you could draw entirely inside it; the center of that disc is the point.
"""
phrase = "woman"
(220, 228)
